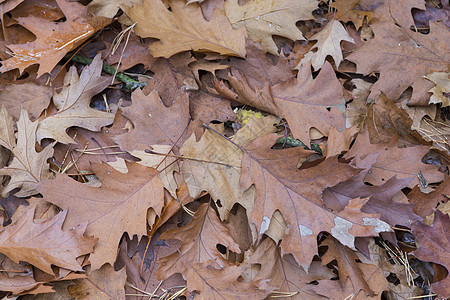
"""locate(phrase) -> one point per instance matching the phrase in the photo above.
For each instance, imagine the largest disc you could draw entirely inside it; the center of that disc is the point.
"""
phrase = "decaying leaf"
(53, 39)
(216, 168)
(199, 244)
(328, 43)
(119, 205)
(346, 12)
(73, 104)
(434, 246)
(28, 167)
(45, 244)
(102, 284)
(177, 29)
(296, 193)
(442, 89)
(268, 18)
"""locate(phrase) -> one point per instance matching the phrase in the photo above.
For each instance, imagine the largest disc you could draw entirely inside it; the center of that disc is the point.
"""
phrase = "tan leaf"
(394, 161)
(267, 18)
(28, 167)
(221, 181)
(296, 193)
(348, 268)
(442, 88)
(303, 101)
(199, 244)
(119, 205)
(178, 31)
(107, 8)
(212, 283)
(339, 142)
(403, 57)
(29, 96)
(73, 104)
(102, 284)
(45, 244)
(154, 123)
(328, 43)
(346, 13)
(53, 39)
(284, 273)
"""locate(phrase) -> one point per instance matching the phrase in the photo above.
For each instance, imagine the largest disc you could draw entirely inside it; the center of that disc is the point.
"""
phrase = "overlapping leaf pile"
(199, 184)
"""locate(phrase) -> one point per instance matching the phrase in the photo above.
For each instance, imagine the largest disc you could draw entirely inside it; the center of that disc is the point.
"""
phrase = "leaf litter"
(246, 149)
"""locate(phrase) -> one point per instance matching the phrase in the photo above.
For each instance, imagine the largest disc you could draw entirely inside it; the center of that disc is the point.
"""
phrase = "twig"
(130, 83)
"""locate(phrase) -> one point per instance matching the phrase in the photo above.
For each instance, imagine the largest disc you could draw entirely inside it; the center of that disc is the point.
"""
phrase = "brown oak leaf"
(303, 101)
(177, 29)
(353, 276)
(199, 244)
(268, 18)
(403, 57)
(119, 205)
(211, 283)
(394, 161)
(435, 246)
(45, 244)
(73, 104)
(425, 204)
(296, 193)
(29, 96)
(284, 273)
(53, 39)
(28, 167)
(102, 284)
(345, 12)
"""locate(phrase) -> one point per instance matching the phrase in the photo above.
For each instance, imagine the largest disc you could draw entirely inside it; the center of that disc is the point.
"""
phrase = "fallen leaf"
(107, 8)
(29, 96)
(153, 122)
(177, 29)
(45, 244)
(402, 56)
(73, 104)
(435, 246)
(28, 167)
(425, 204)
(442, 88)
(119, 205)
(296, 193)
(53, 39)
(381, 196)
(102, 284)
(362, 277)
(339, 142)
(301, 100)
(328, 43)
(199, 244)
(212, 283)
(284, 273)
(394, 161)
(265, 19)
(216, 168)
(345, 12)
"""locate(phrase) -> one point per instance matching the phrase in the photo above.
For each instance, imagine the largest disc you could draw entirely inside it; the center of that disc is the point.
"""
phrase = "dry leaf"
(296, 193)
(45, 244)
(328, 43)
(217, 165)
(434, 246)
(177, 29)
(119, 205)
(267, 18)
(53, 39)
(28, 167)
(199, 244)
(442, 89)
(102, 284)
(346, 13)
(73, 104)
